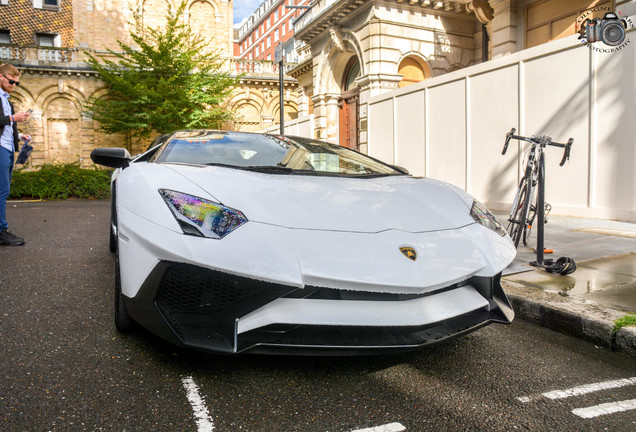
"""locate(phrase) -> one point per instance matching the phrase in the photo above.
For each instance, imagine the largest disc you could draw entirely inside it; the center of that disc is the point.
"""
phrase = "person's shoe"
(9, 239)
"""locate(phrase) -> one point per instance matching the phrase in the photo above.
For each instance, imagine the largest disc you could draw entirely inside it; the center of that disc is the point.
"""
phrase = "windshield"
(268, 153)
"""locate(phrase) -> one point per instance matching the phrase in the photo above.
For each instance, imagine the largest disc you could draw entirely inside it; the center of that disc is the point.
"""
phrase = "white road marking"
(391, 427)
(606, 408)
(201, 413)
(590, 388)
(581, 390)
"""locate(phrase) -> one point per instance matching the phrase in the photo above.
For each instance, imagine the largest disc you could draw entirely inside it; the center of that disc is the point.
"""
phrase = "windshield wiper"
(268, 169)
(222, 165)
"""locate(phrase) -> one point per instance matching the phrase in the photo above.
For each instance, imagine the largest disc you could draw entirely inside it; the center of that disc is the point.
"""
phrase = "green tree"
(168, 80)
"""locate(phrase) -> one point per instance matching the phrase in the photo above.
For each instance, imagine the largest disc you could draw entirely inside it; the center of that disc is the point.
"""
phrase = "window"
(276, 15)
(413, 70)
(47, 40)
(351, 74)
(269, 57)
(282, 30)
(5, 37)
(275, 35)
(269, 40)
(47, 4)
(256, 52)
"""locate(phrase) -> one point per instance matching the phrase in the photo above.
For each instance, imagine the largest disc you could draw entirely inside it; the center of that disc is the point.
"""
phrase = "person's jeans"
(6, 169)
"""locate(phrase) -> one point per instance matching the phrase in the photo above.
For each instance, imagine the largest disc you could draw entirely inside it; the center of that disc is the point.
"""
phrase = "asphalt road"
(64, 367)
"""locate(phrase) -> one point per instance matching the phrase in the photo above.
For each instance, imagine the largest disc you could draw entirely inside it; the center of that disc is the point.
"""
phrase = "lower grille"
(188, 288)
(202, 305)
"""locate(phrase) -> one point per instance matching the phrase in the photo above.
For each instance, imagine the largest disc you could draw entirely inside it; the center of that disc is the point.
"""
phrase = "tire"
(112, 239)
(123, 322)
(527, 232)
(516, 225)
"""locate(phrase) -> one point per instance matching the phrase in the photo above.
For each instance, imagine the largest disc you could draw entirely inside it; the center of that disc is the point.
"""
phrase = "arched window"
(352, 72)
(413, 70)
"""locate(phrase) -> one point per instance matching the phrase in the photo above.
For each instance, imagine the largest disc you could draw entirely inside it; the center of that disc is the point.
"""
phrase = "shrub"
(61, 181)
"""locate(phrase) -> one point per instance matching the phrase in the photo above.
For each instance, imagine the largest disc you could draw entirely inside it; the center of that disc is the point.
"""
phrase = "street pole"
(282, 96)
(280, 59)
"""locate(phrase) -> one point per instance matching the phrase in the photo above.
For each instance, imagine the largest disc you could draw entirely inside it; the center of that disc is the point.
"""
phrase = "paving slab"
(588, 302)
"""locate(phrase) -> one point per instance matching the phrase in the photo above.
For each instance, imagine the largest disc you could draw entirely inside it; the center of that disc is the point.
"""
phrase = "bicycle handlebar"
(542, 141)
(508, 136)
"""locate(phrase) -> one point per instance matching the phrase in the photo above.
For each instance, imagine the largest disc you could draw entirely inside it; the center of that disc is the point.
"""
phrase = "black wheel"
(112, 240)
(527, 232)
(516, 225)
(123, 322)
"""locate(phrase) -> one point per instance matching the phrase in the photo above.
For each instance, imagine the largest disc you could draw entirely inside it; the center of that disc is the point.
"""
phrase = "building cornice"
(315, 22)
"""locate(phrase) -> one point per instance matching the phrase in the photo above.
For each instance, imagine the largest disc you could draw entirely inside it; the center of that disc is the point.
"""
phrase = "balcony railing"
(257, 68)
(74, 57)
(35, 55)
(55, 55)
(12, 52)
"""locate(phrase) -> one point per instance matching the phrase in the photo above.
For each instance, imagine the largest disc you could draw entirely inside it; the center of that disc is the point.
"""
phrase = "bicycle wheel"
(516, 225)
(527, 227)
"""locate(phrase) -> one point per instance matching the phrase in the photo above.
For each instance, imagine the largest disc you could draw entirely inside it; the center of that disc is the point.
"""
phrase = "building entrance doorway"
(349, 106)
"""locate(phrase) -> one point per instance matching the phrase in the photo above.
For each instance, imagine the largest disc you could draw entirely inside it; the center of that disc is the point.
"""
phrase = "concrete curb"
(584, 320)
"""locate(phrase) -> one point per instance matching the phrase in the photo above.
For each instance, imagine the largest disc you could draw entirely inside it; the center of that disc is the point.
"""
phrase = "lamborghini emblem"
(409, 253)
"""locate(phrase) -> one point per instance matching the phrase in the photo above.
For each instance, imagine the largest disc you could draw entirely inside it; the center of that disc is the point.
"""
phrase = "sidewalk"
(587, 302)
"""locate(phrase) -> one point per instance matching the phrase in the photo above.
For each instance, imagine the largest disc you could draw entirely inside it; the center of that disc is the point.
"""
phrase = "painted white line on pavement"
(606, 408)
(580, 390)
(204, 420)
(590, 388)
(391, 427)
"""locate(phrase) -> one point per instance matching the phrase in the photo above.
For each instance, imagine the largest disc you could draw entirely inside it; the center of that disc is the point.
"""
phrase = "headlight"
(200, 217)
(483, 216)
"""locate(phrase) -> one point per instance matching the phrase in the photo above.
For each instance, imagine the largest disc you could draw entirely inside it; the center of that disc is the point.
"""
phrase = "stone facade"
(436, 37)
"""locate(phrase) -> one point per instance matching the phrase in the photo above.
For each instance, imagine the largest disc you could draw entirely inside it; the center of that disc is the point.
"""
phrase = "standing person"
(9, 78)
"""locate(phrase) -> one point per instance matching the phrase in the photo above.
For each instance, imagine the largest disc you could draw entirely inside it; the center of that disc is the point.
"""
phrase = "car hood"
(333, 203)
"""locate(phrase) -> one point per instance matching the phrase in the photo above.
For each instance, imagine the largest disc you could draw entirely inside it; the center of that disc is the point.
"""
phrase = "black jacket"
(5, 121)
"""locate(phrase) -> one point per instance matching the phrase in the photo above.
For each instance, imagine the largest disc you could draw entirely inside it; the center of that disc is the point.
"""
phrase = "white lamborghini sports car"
(236, 242)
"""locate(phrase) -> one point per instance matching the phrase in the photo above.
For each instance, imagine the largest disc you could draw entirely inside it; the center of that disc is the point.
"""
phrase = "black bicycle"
(525, 205)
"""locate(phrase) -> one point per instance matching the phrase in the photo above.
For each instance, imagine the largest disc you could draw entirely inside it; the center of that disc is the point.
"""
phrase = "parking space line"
(581, 390)
(590, 388)
(201, 413)
(391, 427)
(606, 408)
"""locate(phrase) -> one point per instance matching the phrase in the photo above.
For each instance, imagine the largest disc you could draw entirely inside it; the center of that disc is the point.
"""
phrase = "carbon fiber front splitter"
(199, 308)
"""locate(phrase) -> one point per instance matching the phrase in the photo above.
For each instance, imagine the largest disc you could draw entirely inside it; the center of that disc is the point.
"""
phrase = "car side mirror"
(113, 157)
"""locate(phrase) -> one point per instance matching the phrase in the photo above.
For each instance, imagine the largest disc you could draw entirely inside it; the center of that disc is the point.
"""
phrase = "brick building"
(270, 25)
(46, 40)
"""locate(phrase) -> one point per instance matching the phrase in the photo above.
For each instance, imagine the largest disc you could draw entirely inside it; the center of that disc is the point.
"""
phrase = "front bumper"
(208, 310)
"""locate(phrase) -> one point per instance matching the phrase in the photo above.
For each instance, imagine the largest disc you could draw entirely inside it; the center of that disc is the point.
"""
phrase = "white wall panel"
(446, 124)
(381, 145)
(410, 132)
(556, 102)
(614, 155)
(493, 110)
